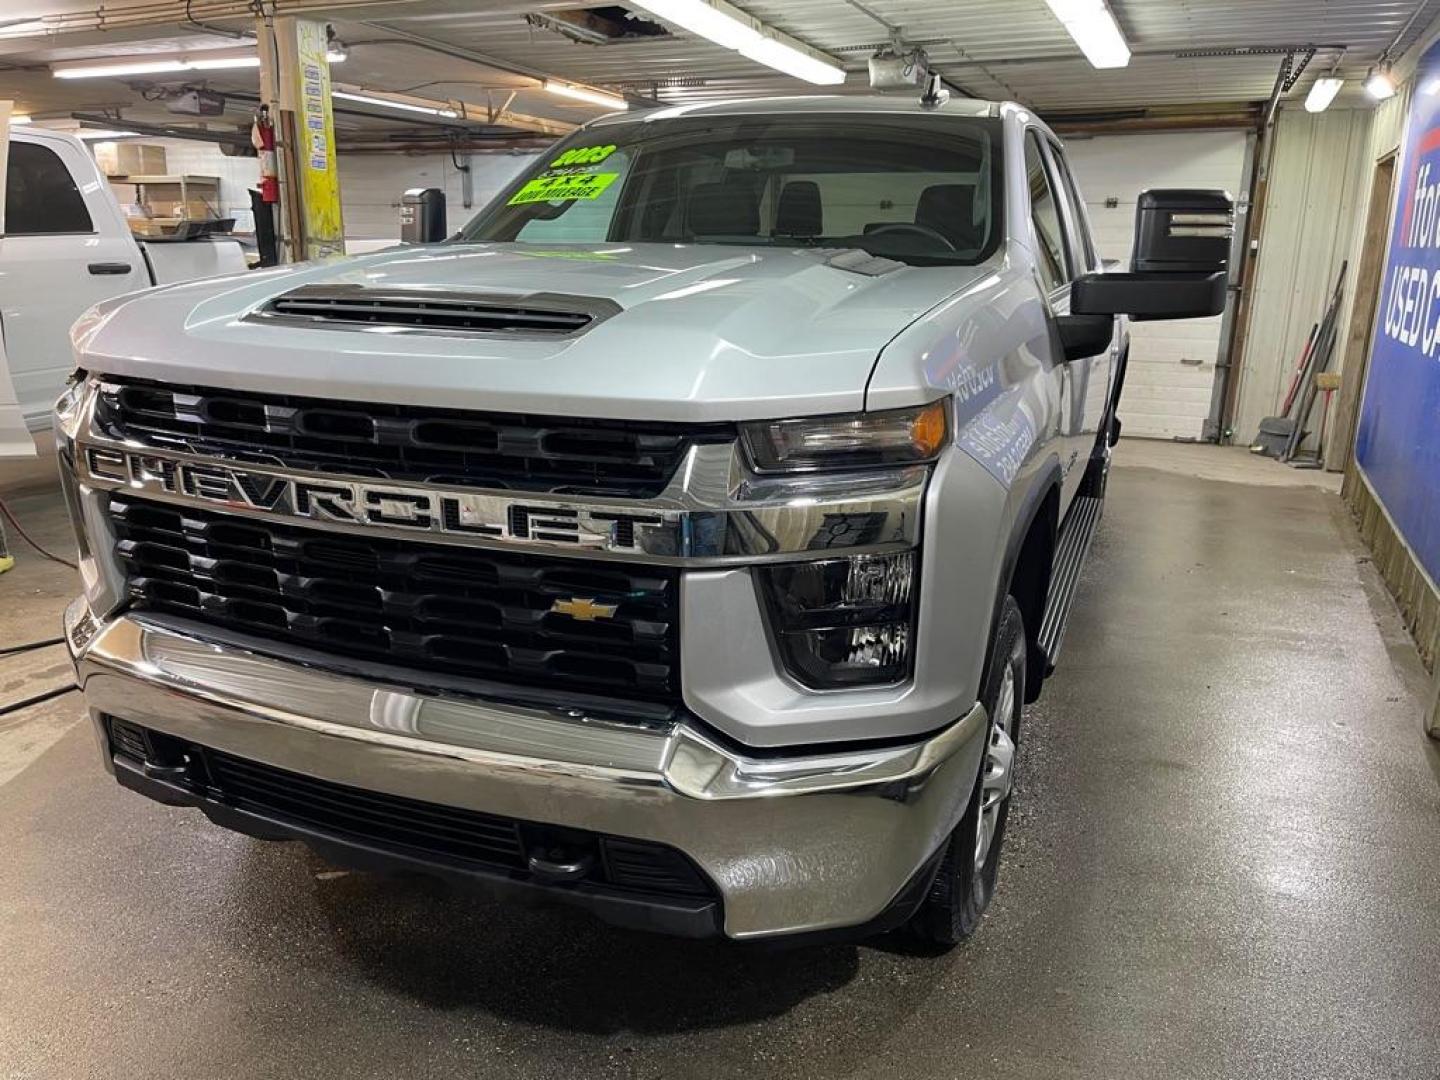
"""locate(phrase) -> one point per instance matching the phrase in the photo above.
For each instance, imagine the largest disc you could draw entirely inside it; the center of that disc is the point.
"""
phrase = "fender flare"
(1047, 479)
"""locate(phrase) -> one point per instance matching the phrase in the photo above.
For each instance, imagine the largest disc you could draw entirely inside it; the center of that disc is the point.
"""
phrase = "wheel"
(965, 879)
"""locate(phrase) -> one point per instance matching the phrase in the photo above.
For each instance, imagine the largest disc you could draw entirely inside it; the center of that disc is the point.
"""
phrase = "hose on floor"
(10, 517)
(36, 699)
(30, 646)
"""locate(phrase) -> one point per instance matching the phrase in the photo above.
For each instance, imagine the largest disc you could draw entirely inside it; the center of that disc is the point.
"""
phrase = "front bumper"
(794, 843)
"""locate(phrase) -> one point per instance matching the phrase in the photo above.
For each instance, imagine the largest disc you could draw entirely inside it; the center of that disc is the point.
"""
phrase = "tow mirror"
(1180, 265)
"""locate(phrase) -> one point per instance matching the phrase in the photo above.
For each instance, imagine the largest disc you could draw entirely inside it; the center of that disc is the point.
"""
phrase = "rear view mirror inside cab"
(762, 158)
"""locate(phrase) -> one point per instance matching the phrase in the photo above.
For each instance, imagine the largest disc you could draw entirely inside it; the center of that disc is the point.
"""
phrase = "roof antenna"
(936, 93)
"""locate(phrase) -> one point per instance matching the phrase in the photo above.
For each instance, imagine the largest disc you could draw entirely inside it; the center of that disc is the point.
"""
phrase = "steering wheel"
(915, 227)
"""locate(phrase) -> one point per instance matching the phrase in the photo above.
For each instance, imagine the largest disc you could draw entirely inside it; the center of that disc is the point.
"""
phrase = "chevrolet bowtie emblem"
(584, 608)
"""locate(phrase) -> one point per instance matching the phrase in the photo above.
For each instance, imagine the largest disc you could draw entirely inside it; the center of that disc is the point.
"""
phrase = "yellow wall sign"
(566, 186)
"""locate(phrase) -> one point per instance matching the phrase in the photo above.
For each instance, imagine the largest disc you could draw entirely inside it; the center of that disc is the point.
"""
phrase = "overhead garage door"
(1172, 364)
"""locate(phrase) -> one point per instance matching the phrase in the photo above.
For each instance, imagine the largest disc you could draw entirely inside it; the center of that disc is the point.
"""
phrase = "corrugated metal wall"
(1320, 184)
(1317, 177)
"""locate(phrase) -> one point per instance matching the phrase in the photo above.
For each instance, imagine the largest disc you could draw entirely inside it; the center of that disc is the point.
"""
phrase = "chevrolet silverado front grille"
(438, 311)
(606, 629)
(447, 835)
(571, 455)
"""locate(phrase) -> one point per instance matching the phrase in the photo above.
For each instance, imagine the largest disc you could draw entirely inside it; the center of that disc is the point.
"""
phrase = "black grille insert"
(445, 834)
(465, 612)
(572, 455)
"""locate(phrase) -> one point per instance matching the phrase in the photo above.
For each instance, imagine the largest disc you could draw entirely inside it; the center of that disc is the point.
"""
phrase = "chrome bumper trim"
(811, 842)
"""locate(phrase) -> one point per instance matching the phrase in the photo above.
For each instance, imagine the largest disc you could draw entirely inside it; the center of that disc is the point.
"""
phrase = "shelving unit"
(170, 200)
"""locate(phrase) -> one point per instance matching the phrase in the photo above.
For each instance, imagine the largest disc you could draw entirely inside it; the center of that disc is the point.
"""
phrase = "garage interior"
(1224, 855)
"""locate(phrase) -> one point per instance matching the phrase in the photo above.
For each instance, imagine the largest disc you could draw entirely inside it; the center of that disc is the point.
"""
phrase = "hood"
(704, 332)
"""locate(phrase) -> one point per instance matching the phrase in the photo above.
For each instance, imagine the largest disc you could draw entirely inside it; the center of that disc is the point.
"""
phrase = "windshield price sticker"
(583, 155)
(565, 186)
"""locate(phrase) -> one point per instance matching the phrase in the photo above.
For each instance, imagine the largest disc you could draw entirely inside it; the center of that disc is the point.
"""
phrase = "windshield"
(920, 190)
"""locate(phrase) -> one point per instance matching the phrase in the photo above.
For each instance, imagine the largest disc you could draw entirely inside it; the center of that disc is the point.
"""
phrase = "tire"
(964, 881)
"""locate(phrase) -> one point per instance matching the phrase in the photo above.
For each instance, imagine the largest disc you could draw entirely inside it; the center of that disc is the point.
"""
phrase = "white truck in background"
(64, 246)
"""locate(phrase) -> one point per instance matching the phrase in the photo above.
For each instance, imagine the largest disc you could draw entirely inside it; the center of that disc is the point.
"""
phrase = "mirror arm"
(1082, 335)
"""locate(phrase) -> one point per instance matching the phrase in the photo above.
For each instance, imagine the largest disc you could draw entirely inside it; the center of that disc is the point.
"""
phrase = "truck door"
(64, 247)
(1094, 375)
(1052, 245)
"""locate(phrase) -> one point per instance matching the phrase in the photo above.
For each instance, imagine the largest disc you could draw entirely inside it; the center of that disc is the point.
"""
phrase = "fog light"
(844, 622)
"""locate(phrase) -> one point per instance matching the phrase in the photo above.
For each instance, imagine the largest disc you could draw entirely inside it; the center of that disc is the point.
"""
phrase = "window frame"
(884, 126)
(1040, 140)
(1074, 206)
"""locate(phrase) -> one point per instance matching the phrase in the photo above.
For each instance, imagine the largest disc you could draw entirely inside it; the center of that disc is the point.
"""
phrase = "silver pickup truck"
(682, 540)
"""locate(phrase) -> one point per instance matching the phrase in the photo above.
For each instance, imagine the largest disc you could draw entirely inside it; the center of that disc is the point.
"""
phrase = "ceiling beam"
(1099, 123)
(469, 112)
(235, 136)
(397, 36)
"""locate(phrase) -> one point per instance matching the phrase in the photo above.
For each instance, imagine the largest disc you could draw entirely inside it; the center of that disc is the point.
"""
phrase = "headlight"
(855, 440)
(844, 622)
(100, 581)
(68, 406)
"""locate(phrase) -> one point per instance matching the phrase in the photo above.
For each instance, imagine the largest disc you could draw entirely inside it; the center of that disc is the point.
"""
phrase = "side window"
(1079, 222)
(40, 195)
(1050, 250)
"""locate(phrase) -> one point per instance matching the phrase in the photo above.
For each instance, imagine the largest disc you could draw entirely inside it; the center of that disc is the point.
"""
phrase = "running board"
(1075, 536)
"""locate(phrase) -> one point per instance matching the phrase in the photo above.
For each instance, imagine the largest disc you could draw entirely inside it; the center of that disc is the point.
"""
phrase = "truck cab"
(683, 540)
(64, 247)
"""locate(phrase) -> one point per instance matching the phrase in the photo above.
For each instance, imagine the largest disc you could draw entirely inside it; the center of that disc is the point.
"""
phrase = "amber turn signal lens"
(927, 430)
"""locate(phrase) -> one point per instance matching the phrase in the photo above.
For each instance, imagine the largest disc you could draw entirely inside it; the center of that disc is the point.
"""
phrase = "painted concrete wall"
(371, 185)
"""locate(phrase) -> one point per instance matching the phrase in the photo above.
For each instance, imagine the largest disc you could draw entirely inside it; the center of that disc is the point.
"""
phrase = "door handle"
(109, 268)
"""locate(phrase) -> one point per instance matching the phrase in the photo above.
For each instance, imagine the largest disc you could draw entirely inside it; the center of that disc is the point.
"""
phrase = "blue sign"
(1397, 443)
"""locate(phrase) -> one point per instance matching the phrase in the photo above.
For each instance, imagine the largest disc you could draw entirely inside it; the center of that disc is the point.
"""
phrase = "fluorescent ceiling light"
(581, 93)
(221, 63)
(1379, 83)
(112, 68)
(403, 106)
(715, 22)
(337, 54)
(1093, 26)
(19, 118)
(89, 134)
(1322, 93)
(118, 67)
(703, 20)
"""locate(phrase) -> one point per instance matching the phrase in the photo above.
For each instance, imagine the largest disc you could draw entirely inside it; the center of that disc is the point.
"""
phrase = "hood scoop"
(423, 311)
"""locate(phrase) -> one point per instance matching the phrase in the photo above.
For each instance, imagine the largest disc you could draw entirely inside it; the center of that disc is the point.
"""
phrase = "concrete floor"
(1224, 862)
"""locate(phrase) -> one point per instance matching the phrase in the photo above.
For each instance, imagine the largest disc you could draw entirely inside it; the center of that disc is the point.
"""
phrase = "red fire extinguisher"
(262, 137)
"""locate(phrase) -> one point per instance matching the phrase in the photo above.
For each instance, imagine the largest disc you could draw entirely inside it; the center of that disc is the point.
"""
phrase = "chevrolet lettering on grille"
(393, 507)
